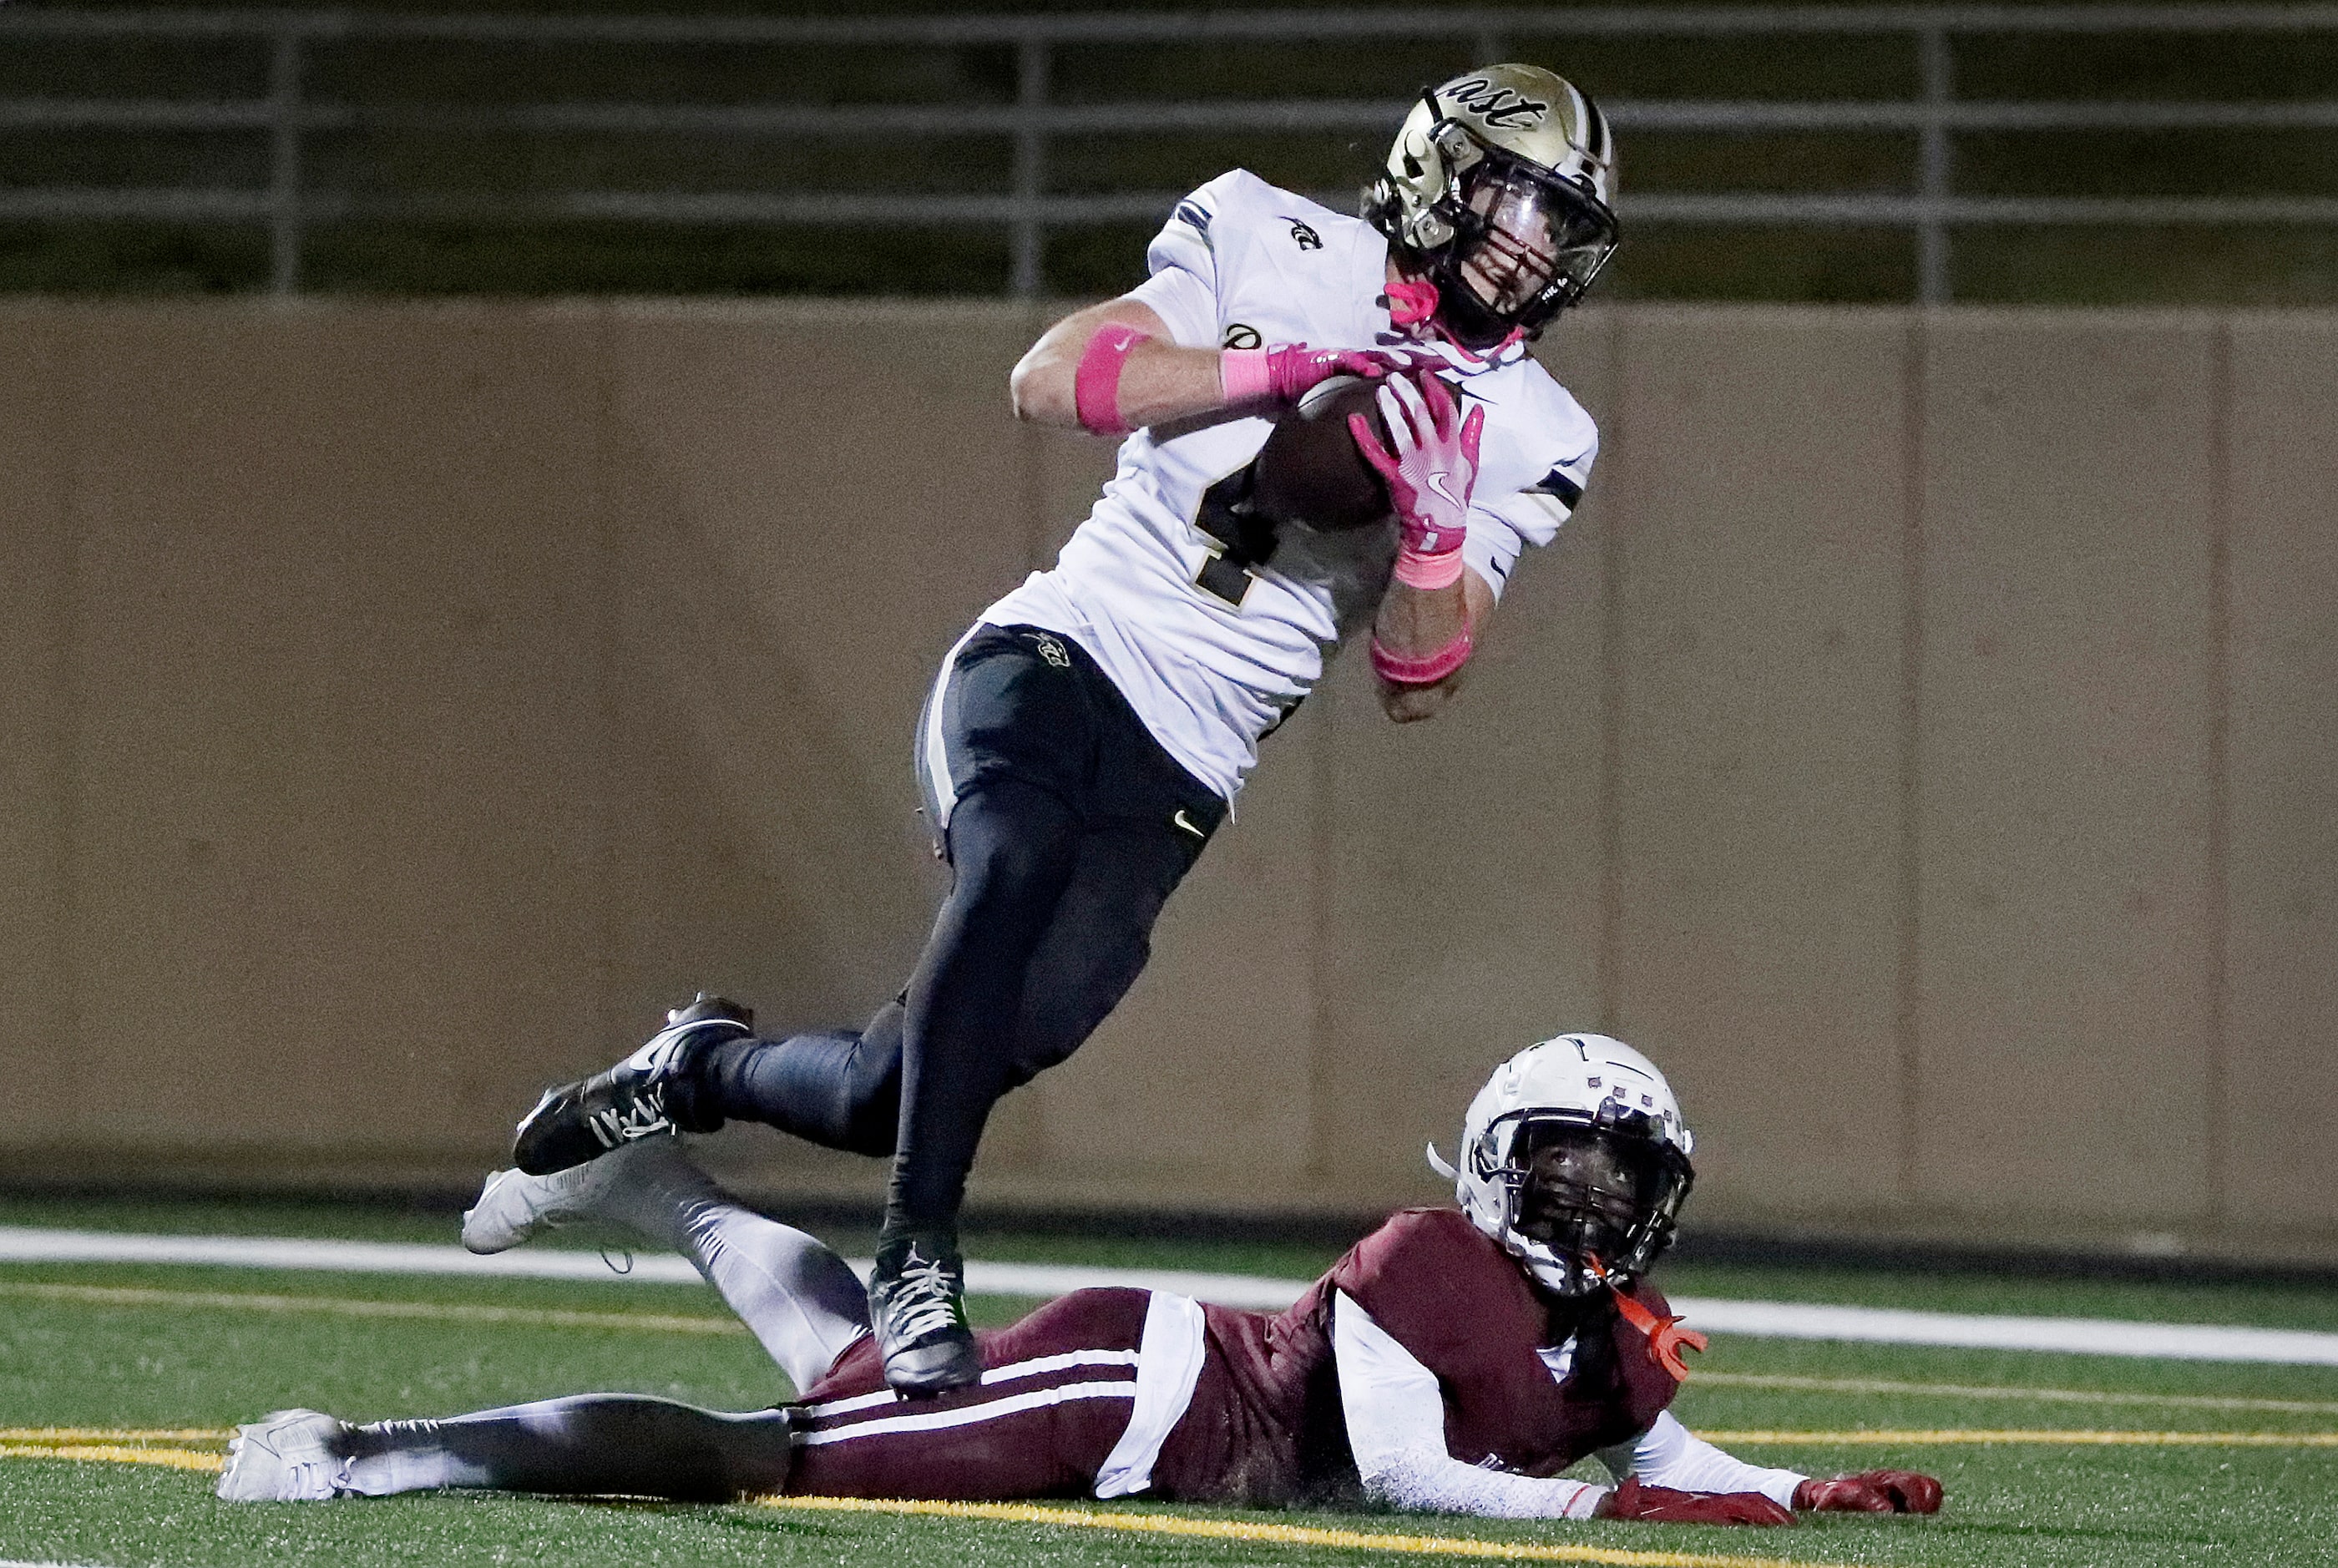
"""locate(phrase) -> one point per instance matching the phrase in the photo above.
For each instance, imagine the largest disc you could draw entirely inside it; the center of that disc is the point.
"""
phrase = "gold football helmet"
(1500, 190)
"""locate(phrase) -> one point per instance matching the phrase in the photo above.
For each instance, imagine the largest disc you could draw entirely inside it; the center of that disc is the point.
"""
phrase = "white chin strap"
(1437, 1163)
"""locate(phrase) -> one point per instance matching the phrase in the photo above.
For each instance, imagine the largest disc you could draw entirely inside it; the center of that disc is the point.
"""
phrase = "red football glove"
(1664, 1505)
(1872, 1491)
(1287, 370)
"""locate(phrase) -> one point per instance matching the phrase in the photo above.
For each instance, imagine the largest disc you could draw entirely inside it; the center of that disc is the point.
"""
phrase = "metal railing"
(289, 204)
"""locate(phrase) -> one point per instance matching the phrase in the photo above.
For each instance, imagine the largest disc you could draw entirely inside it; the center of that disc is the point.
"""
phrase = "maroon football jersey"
(1265, 1426)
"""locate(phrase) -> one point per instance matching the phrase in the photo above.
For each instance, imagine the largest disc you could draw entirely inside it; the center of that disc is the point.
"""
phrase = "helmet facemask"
(1508, 243)
(1590, 1201)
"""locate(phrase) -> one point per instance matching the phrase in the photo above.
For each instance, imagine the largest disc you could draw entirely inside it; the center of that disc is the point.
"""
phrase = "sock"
(422, 1466)
(593, 1444)
(840, 1089)
(797, 1297)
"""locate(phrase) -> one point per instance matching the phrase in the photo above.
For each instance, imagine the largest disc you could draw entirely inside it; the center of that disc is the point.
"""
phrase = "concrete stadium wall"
(1921, 744)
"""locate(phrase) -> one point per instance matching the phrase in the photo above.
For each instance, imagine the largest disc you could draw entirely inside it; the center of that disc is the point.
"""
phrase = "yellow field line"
(1266, 1534)
(115, 1434)
(347, 1306)
(1258, 1532)
(1920, 1438)
(107, 1442)
(110, 1453)
(1705, 1379)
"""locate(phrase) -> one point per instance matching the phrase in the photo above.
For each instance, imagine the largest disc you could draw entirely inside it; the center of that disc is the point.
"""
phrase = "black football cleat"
(916, 1304)
(636, 1099)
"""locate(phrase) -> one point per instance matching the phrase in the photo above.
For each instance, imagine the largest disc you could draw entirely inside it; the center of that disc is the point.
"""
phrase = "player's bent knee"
(874, 1125)
(1061, 1010)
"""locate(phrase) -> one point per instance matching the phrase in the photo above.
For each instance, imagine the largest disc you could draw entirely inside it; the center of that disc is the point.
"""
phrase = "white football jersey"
(1215, 639)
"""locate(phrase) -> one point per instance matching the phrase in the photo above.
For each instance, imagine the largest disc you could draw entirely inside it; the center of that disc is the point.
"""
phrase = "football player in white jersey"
(1085, 737)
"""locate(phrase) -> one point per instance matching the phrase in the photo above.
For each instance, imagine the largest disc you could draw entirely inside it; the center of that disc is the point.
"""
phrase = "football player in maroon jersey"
(1456, 1360)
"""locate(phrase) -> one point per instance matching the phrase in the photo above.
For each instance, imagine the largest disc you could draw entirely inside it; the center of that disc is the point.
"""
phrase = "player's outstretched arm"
(1394, 1407)
(1114, 367)
(1669, 1458)
(1158, 380)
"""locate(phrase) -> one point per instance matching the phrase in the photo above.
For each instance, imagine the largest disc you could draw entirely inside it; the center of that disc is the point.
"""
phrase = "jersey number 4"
(1238, 540)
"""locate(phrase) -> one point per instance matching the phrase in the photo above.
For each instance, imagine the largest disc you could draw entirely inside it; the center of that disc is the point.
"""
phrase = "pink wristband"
(1096, 385)
(1243, 374)
(1399, 670)
(1417, 570)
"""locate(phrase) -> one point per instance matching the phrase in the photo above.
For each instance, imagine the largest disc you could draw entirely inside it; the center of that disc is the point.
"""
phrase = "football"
(1309, 472)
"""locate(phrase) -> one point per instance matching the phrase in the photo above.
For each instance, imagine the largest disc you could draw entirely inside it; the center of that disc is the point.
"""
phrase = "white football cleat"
(515, 1206)
(285, 1456)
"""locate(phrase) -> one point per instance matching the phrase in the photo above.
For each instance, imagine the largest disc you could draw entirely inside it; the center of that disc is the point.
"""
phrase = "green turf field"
(2185, 1463)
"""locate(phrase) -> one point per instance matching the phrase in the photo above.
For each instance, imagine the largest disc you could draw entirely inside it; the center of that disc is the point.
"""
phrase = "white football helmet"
(1510, 167)
(1574, 1161)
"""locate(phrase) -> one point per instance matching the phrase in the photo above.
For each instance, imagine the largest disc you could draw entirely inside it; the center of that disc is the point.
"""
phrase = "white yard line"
(2068, 1336)
(27, 1245)
(1773, 1320)
(20, 1244)
(1061, 1279)
(2025, 1393)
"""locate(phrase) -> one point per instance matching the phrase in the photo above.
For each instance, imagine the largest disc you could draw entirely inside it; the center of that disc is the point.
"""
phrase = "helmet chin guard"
(1574, 1161)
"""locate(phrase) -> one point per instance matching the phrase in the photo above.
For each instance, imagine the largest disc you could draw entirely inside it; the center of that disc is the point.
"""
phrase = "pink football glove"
(1287, 370)
(1662, 1505)
(1435, 463)
(1872, 1491)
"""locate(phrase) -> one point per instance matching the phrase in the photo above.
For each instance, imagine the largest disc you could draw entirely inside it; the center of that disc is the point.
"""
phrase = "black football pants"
(1067, 827)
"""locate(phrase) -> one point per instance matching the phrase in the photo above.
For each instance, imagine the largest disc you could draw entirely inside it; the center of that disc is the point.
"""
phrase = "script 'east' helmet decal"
(1508, 163)
(1494, 103)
